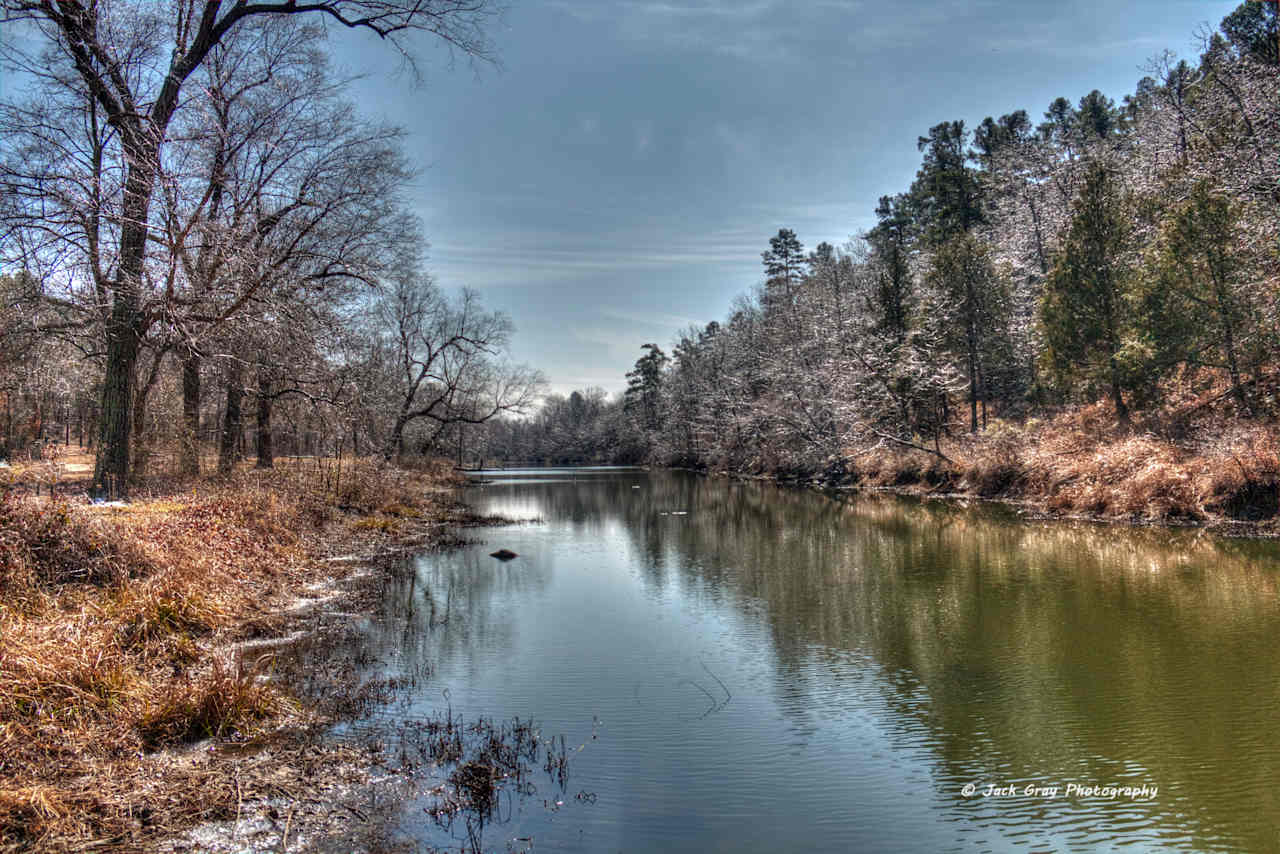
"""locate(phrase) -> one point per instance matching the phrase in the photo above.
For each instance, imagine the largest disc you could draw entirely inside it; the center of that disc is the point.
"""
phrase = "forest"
(212, 256)
(1110, 271)
(206, 247)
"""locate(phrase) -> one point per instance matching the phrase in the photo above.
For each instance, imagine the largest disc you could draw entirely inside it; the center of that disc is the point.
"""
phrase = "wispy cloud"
(769, 32)
(654, 320)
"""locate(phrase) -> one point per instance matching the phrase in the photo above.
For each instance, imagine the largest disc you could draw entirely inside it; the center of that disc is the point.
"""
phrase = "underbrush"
(116, 625)
(1081, 462)
(44, 544)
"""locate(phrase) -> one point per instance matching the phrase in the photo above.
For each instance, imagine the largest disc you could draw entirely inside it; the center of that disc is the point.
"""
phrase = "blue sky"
(617, 178)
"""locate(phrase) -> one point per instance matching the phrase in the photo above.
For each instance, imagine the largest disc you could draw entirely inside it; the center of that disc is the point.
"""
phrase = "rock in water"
(504, 554)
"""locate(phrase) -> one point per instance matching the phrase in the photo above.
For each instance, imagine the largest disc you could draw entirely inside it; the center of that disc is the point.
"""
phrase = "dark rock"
(504, 554)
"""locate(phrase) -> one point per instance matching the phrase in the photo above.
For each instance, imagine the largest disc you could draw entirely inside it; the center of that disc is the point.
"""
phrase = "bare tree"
(446, 359)
(291, 208)
(131, 59)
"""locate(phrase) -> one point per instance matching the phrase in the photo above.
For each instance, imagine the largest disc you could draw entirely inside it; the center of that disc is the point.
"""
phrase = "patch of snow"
(267, 643)
(305, 603)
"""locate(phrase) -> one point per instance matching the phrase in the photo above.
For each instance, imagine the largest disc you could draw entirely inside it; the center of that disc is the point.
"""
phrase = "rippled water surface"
(771, 670)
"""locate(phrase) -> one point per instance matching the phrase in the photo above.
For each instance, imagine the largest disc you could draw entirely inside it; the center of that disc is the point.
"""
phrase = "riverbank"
(138, 646)
(1081, 464)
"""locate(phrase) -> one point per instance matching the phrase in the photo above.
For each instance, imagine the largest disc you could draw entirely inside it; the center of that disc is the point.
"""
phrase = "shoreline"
(1029, 507)
(1080, 464)
(154, 667)
(222, 737)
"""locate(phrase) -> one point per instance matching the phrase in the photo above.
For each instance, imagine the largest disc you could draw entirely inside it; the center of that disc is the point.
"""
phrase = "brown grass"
(1167, 469)
(116, 626)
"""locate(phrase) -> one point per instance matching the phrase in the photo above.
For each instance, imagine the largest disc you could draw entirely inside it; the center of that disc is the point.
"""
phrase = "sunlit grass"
(117, 625)
(1081, 463)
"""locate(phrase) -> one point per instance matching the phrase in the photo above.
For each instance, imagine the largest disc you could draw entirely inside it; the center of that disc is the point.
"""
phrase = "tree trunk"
(141, 448)
(111, 468)
(395, 444)
(231, 421)
(266, 454)
(984, 393)
(1237, 387)
(189, 462)
(1243, 404)
(1122, 411)
(126, 324)
(973, 393)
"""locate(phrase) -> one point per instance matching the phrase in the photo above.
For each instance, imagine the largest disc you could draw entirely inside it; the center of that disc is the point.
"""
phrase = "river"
(752, 668)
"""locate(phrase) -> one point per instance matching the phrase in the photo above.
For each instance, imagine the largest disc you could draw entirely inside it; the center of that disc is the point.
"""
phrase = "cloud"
(737, 139)
(657, 320)
(769, 32)
(529, 255)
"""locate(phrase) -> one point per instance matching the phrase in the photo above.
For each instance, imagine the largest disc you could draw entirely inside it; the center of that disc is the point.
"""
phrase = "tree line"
(1097, 254)
(203, 241)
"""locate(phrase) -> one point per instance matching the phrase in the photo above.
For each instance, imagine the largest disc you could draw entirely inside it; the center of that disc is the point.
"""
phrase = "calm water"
(772, 670)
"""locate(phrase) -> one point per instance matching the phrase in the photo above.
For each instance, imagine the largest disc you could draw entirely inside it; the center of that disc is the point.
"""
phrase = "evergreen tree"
(891, 243)
(1253, 29)
(644, 387)
(1085, 311)
(783, 266)
(946, 189)
(1097, 117)
(977, 299)
(1204, 313)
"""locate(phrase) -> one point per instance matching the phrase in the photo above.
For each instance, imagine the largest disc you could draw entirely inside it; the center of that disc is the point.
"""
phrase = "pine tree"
(644, 386)
(1085, 312)
(783, 267)
(1200, 279)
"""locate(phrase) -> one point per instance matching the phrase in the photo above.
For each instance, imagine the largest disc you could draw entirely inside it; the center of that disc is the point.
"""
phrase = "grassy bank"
(1082, 463)
(122, 635)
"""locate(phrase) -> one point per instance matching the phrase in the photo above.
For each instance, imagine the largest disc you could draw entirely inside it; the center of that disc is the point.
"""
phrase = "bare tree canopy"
(124, 65)
(445, 358)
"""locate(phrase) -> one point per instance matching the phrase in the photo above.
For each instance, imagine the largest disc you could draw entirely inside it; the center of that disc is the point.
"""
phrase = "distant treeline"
(1109, 252)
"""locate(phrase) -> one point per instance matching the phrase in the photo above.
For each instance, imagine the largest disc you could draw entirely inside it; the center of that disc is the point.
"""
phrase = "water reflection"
(879, 654)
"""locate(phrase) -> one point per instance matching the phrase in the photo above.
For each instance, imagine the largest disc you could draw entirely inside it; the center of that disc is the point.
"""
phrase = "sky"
(616, 178)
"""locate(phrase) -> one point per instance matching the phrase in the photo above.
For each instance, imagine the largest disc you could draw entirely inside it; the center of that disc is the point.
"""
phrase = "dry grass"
(115, 633)
(1170, 468)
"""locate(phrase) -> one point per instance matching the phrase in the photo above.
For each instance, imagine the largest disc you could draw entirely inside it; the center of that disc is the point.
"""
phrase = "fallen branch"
(896, 440)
